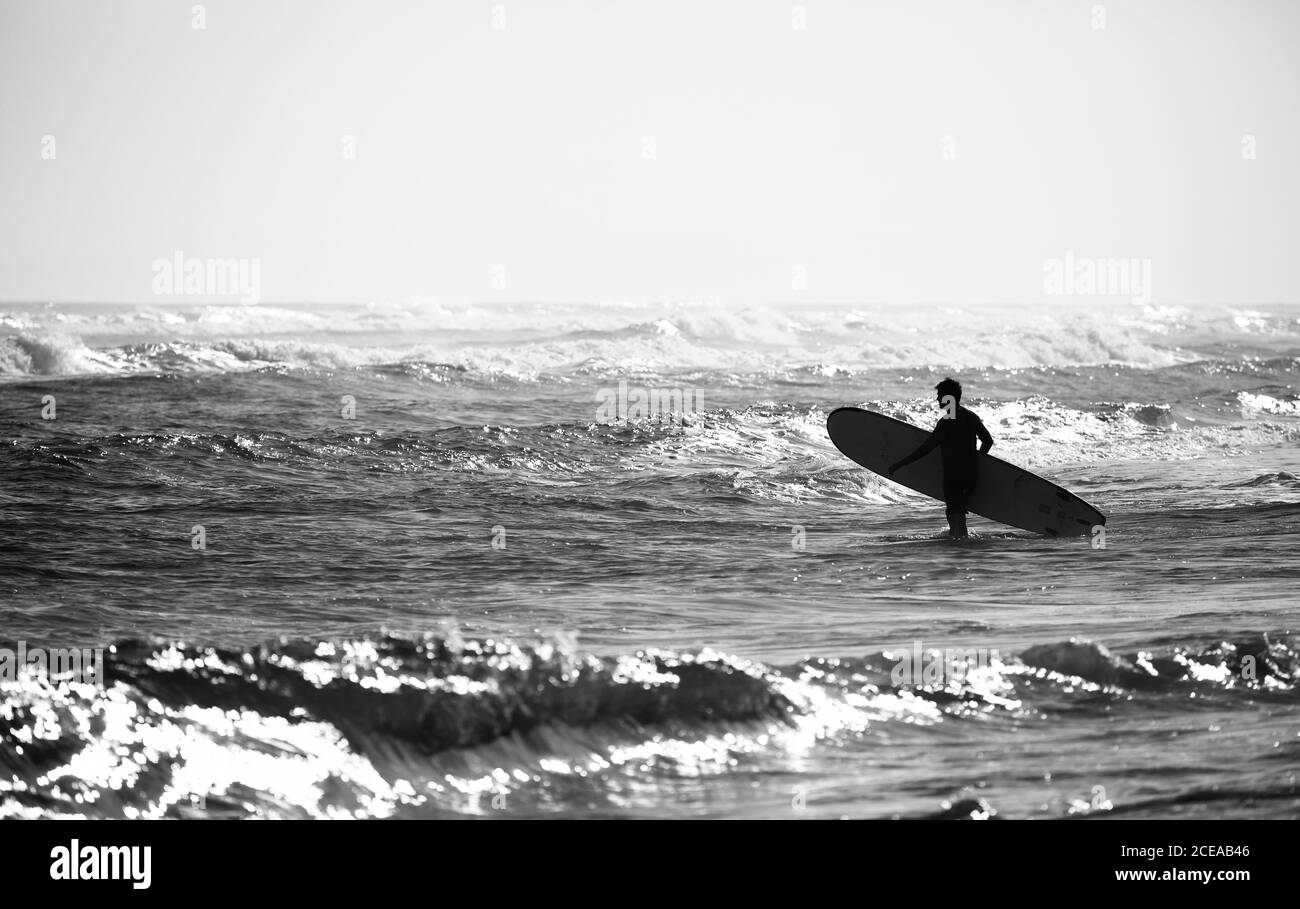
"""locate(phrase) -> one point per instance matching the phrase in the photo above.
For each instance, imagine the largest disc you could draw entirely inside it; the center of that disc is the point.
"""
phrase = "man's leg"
(954, 497)
(956, 494)
(957, 522)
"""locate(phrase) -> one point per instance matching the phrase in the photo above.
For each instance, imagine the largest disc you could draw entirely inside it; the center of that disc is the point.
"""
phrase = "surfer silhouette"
(954, 435)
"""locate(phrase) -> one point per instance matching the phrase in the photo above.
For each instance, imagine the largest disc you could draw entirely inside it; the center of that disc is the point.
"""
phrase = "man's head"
(949, 386)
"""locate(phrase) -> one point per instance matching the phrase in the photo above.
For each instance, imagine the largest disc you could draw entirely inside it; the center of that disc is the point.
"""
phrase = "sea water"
(603, 561)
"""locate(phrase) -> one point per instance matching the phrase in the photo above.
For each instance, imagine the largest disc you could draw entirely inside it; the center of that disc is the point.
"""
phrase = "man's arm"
(984, 435)
(925, 448)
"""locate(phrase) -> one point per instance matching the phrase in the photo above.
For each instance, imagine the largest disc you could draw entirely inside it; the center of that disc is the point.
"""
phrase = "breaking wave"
(397, 726)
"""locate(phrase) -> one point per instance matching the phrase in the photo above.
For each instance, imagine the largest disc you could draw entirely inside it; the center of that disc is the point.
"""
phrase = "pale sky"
(902, 151)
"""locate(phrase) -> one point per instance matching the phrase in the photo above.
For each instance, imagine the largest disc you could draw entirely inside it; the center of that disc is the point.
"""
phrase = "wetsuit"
(955, 438)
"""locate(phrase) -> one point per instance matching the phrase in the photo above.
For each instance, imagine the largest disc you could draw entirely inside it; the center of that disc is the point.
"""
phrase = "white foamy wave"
(1037, 433)
(1254, 321)
(1269, 404)
(784, 454)
(527, 341)
(761, 453)
(109, 324)
(51, 355)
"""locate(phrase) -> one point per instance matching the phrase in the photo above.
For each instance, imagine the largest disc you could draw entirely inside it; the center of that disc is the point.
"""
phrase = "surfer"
(954, 435)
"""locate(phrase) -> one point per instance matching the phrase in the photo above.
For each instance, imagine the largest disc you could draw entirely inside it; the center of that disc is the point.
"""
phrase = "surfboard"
(1005, 493)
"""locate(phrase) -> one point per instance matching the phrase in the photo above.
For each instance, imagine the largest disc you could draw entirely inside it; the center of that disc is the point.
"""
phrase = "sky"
(746, 151)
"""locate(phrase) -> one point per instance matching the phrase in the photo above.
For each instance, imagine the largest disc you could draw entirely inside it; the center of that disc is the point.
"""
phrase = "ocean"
(545, 560)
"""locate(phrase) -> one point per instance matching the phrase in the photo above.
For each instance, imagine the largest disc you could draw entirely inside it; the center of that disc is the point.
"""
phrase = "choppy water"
(650, 640)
